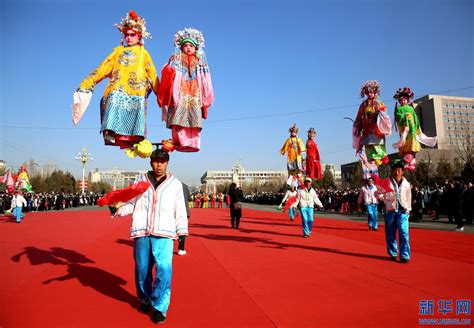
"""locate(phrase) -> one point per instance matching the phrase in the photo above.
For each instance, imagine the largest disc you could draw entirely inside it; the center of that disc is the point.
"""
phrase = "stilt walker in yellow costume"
(132, 77)
(294, 146)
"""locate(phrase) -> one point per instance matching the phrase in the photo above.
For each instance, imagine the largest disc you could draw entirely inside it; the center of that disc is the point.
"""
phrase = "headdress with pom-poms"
(134, 22)
(294, 129)
(312, 131)
(405, 92)
(370, 85)
(189, 34)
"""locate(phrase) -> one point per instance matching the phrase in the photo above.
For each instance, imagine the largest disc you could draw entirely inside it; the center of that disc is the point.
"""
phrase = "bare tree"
(463, 143)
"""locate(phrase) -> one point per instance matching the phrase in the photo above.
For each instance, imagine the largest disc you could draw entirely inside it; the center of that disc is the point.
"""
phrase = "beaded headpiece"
(294, 129)
(371, 85)
(312, 131)
(405, 92)
(189, 34)
(134, 22)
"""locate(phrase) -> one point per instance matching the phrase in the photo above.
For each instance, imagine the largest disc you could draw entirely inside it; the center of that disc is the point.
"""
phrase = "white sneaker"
(459, 229)
(181, 252)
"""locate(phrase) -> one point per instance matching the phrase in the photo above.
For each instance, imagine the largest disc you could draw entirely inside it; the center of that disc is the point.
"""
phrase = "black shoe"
(144, 308)
(393, 258)
(158, 317)
(404, 260)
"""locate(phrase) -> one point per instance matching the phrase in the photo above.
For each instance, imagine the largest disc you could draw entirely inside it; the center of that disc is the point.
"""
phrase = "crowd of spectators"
(37, 202)
(451, 199)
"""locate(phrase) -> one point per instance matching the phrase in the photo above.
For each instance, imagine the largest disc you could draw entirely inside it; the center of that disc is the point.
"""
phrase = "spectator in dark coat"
(235, 195)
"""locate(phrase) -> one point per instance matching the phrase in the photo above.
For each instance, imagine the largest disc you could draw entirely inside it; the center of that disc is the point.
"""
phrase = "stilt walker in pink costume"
(132, 76)
(409, 128)
(313, 163)
(186, 90)
(371, 125)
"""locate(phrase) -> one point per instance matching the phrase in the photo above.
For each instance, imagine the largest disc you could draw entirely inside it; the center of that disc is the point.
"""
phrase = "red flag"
(383, 184)
(290, 201)
(124, 195)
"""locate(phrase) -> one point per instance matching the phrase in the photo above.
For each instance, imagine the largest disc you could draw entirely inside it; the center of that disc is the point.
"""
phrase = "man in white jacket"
(307, 198)
(397, 212)
(18, 201)
(159, 217)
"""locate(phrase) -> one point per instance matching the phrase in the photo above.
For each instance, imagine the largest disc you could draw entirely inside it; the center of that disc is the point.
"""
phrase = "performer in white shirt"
(307, 198)
(367, 195)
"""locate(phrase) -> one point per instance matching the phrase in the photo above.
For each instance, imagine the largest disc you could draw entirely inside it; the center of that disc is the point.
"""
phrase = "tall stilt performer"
(132, 77)
(23, 180)
(409, 129)
(313, 163)
(371, 125)
(186, 91)
(294, 146)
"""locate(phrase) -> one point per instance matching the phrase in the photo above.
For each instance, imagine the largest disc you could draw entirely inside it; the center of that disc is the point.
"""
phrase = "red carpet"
(75, 269)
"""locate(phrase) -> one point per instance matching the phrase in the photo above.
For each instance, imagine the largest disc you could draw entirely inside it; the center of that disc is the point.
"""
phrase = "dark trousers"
(458, 218)
(181, 241)
(235, 216)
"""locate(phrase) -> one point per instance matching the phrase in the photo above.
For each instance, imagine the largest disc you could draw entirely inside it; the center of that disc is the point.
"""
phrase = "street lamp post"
(83, 158)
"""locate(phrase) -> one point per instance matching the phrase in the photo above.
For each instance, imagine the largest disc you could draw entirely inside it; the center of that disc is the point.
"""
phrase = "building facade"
(118, 179)
(239, 175)
(448, 117)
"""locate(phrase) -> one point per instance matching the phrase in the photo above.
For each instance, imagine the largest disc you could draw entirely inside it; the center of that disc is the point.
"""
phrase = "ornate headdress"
(405, 92)
(312, 131)
(134, 22)
(189, 34)
(294, 129)
(370, 85)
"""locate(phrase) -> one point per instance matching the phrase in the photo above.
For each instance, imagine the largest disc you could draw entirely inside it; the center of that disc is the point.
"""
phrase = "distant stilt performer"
(294, 146)
(409, 129)
(313, 163)
(371, 125)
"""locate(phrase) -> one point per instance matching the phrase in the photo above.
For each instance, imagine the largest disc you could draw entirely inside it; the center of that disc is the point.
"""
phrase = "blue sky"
(273, 63)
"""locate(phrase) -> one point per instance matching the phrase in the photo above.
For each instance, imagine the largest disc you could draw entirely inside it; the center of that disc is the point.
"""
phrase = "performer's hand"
(204, 112)
(117, 205)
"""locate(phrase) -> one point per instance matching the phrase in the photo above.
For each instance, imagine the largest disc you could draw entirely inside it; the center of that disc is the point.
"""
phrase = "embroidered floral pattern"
(135, 83)
(127, 58)
(115, 77)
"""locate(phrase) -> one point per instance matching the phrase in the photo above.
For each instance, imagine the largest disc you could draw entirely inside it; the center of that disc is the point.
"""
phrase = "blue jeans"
(291, 212)
(148, 251)
(307, 219)
(17, 213)
(372, 215)
(394, 221)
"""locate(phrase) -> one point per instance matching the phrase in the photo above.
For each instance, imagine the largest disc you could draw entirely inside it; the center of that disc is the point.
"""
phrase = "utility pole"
(83, 157)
